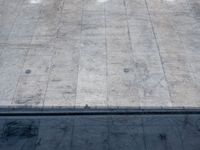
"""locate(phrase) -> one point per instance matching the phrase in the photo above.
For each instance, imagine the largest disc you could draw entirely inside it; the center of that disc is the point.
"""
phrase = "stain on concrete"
(196, 9)
(163, 136)
(126, 70)
(28, 71)
(19, 129)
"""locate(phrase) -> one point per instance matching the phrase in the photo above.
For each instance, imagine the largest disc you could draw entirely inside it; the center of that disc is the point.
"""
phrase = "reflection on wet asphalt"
(140, 132)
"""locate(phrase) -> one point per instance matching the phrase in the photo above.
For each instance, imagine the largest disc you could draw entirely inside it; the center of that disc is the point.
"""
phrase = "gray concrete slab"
(141, 132)
(104, 53)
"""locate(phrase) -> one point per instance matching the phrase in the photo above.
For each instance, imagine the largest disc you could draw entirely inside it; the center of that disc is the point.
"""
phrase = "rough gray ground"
(166, 132)
(100, 53)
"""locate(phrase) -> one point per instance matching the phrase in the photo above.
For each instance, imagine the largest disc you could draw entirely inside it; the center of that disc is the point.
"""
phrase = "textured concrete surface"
(166, 132)
(106, 53)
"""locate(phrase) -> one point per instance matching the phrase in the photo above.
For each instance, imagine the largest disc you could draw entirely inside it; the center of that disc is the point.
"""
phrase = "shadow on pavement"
(148, 129)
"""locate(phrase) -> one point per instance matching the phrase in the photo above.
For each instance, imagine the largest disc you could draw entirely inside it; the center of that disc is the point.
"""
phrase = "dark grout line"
(106, 50)
(105, 113)
(143, 134)
(158, 48)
